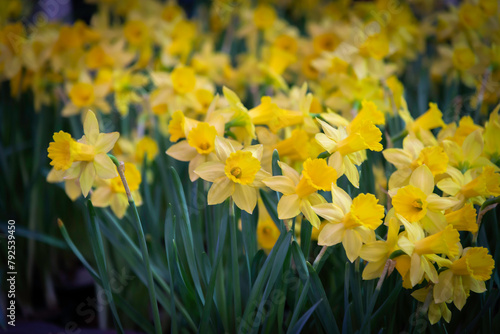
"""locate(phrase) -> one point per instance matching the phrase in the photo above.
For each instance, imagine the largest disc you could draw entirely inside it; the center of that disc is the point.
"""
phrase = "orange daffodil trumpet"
(236, 173)
(86, 158)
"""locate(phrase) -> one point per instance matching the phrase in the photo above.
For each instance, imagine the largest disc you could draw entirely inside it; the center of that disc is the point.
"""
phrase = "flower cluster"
(328, 97)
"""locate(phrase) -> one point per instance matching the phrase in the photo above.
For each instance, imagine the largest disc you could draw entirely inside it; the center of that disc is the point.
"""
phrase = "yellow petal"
(459, 294)
(119, 205)
(329, 211)
(341, 199)
(91, 127)
(195, 163)
(101, 197)
(436, 203)
(220, 190)
(374, 251)
(87, 178)
(473, 146)
(416, 269)
(289, 172)
(245, 197)
(104, 166)
(331, 234)
(281, 184)
(351, 171)
(182, 151)
(352, 244)
(288, 206)
(443, 290)
(448, 186)
(325, 142)
(106, 141)
(224, 147)
(422, 178)
(72, 189)
(398, 157)
(210, 170)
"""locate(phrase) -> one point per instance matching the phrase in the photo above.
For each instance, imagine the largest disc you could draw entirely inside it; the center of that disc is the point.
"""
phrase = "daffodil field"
(239, 166)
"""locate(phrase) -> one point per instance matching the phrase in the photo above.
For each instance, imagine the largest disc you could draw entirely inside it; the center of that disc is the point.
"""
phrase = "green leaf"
(271, 209)
(317, 292)
(186, 232)
(100, 257)
(297, 328)
(169, 237)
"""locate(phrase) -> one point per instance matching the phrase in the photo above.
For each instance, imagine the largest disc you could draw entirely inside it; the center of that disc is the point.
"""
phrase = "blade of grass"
(169, 236)
(302, 321)
(234, 262)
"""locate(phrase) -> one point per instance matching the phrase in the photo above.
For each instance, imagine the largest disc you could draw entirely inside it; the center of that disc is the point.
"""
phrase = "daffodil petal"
(210, 170)
(220, 190)
(443, 290)
(101, 197)
(352, 244)
(288, 206)
(281, 184)
(329, 211)
(182, 151)
(308, 212)
(289, 172)
(195, 163)
(245, 197)
(422, 178)
(341, 199)
(87, 178)
(119, 205)
(104, 166)
(72, 189)
(331, 234)
(91, 127)
(106, 141)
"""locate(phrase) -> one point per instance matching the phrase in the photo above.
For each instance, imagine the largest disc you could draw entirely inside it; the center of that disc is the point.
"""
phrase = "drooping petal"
(351, 171)
(443, 290)
(119, 205)
(87, 178)
(195, 163)
(104, 166)
(416, 269)
(288, 206)
(220, 190)
(182, 151)
(308, 212)
(352, 244)
(245, 197)
(72, 189)
(101, 197)
(374, 251)
(210, 170)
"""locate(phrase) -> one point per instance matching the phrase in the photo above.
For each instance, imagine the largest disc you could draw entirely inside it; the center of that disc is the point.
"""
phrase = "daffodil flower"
(351, 221)
(416, 202)
(378, 252)
(111, 192)
(85, 158)
(237, 173)
(199, 146)
(300, 191)
(468, 156)
(420, 127)
(472, 186)
(465, 274)
(436, 310)
(423, 249)
(347, 148)
(268, 113)
(411, 156)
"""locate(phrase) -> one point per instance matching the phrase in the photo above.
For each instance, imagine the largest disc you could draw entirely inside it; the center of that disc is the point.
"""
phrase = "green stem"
(234, 262)
(143, 246)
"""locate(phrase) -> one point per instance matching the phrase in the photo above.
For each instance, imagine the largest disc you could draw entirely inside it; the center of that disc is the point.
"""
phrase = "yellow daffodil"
(469, 154)
(146, 147)
(111, 192)
(183, 80)
(347, 147)
(423, 249)
(378, 252)
(237, 173)
(351, 221)
(199, 146)
(268, 113)
(85, 158)
(411, 156)
(300, 191)
(463, 219)
(267, 231)
(420, 127)
(465, 274)
(417, 201)
(436, 310)
(473, 186)
(492, 137)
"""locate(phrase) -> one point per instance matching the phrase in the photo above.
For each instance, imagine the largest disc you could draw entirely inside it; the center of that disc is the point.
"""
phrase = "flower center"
(236, 172)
